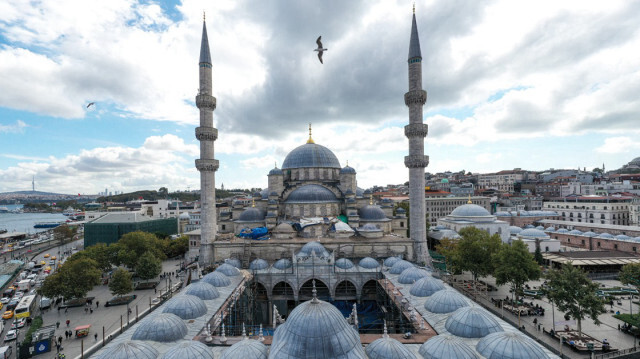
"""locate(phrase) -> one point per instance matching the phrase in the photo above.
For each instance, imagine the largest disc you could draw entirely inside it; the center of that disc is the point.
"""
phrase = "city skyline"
(533, 85)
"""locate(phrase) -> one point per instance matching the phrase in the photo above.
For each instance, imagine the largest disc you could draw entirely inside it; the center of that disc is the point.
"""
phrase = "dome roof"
(163, 327)
(550, 229)
(251, 214)
(426, 287)
(186, 306)
(311, 193)
(246, 349)
(258, 264)
(389, 262)
(575, 232)
(191, 349)
(589, 234)
(184, 215)
(388, 348)
(503, 345)
(623, 237)
(399, 266)
(515, 229)
(359, 192)
(276, 172)
(503, 214)
(401, 210)
(314, 246)
(368, 263)
(234, 262)
(371, 212)
(216, 279)
(130, 350)
(347, 170)
(605, 235)
(445, 301)
(316, 330)
(540, 228)
(228, 270)
(446, 347)
(529, 225)
(310, 155)
(344, 263)
(562, 230)
(470, 210)
(472, 322)
(444, 180)
(202, 290)
(282, 264)
(531, 233)
(412, 274)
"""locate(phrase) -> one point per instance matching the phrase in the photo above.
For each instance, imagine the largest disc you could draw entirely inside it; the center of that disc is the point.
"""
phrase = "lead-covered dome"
(389, 262)
(311, 155)
(507, 345)
(412, 275)
(251, 214)
(258, 264)
(314, 246)
(275, 172)
(426, 287)
(163, 327)
(399, 266)
(191, 349)
(445, 301)
(311, 193)
(246, 349)
(282, 264)
(470, 210)
(347, 170)
(532, 233)
(388, 348)
(514, 229)
(344, 263)
(129, 349)
(203, 290)
(446, 347)
(371, 212)
(234, 262)
(472, 322)
(186, 306)
(228, 270)
(216, 279)
(368, 263)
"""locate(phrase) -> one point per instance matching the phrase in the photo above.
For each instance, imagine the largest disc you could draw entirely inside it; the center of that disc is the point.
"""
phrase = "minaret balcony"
(207, 165)
(206, 101)
(206, 133)
(416, 130)
(416, 161)
(415, 97)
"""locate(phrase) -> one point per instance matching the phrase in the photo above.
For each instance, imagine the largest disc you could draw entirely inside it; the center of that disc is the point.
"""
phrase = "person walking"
(68, 321)
(97, 303)
(95, 336)
(57, 324)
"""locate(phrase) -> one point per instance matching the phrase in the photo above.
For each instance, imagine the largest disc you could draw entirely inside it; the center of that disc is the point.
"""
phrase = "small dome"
(284, 228)
(310, 155)
(184, 216)
(623, 237)
(426, 287)
(186, 306)
(412, 275)
(234, 262)
(228, 270)
(444, 180)
(550, 229)
(562, 230)
(130, 349)
(446, 347)
(445, 301)
(191, 349)
(503, 345)
(470, 210)
(246, 349)
(316, 247)
(251, 214)
(532, 233)
(515, 229)
(400, 211)
(282, 264)
(368, 263)
(589, 234)
(472, 322)
(502, 214)
(276, 172)
(347, 170)
(605, 236)
(388, 348)
(540, 228)
(528, 225)
(367, 191)
(389, 262)
(372, 212)
(311, 193)
(258, 264)
(359, 192)
(400, 266)
(203, 290)
(575, 232)
(344, 263)
(163, 327)
(216, 279)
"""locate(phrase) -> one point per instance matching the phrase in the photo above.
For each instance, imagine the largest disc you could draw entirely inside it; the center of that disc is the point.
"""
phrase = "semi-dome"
(316, 330)
(412, 275)
(275, 172)
(589, 234)
(400, 266)
(470, 210)
(532, 233)
(606, 235)
(311, 193)
(191, 349)
(388, 348)
(246, 349)
(507, 345)
(216, 279)
(282, 264)
(163, 327)
(515, 229)
(228, 270)
(368, 263)
(310, 155)
(472, 322)
(251, 214)
(186, 306)
(344, 263)
(314, 246)
(234, 262)
(425, 287)
(258, 264)
(130, 349)
(445, 301)
(203, 290)
(371, 212)
(446, 347)
(347, 170)
(389, 262)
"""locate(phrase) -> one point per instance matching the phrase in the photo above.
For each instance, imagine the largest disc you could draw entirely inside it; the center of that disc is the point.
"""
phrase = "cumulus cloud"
(620, 144)
(18, 126)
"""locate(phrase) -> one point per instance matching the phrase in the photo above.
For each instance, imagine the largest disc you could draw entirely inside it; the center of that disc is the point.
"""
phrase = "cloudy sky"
(529, 84)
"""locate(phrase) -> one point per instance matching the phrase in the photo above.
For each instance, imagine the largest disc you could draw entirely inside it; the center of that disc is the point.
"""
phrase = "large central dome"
(311, 155)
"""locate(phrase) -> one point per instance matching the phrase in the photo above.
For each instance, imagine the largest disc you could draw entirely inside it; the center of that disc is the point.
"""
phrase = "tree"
(101, 253)
(74, 279)
(538, 254)
(575, 294)
(148, 266)
(133, 245)
(475, 250)
(121, 283)
(448, 248)
(514, 264)
(176, 247)
(163, 192)
(62, 233)
(630, 275)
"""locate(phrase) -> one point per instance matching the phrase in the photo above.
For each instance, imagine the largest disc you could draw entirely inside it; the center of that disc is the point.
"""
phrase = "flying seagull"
(320, 49)
(90, 104)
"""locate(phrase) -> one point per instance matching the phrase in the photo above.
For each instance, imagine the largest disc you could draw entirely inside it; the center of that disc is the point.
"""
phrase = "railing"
(618, 354)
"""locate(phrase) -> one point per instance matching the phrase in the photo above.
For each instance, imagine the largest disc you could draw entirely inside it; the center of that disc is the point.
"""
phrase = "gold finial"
(253, 202)
(371, 199)
(469, 201)
(414, 7)
(310, 140)
(204, 14)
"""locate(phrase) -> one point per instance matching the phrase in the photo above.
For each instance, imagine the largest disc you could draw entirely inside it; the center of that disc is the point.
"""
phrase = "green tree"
(475, 250)
(133, 245)
(630, 275)
(163, 192)
(176, 247)
(538, 254)
(514, 264)
(575, 294)
(449, 249)
(74, 279)
(120, 282)
(62, 233)
(101, 253)
(148, 266)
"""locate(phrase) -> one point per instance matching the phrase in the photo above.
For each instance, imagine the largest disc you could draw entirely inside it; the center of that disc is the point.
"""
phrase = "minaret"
(416, 131)
(206, 165)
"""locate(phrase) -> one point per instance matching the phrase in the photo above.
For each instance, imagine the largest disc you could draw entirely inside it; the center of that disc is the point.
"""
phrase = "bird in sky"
(90, 104)
(320, 49)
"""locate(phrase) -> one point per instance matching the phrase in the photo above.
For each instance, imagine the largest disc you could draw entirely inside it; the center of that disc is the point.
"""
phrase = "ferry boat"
(46, 225)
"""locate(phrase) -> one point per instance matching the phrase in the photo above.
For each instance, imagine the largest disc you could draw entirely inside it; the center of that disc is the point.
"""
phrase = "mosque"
(295, 297)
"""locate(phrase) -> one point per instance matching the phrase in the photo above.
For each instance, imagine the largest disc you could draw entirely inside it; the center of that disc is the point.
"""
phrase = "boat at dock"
(46, 225)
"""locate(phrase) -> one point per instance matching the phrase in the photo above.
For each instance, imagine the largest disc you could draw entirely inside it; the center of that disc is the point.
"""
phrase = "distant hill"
(34, 193)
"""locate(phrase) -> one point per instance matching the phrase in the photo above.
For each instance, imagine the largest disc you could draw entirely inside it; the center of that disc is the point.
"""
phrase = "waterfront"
(24, 222)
